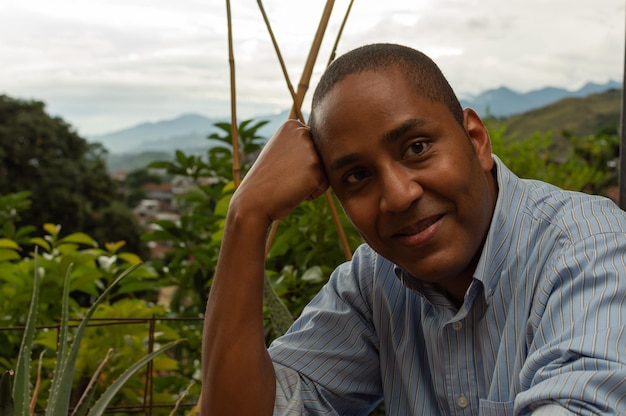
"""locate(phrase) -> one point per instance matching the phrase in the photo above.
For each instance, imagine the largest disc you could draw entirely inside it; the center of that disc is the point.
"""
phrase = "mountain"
(187, 132)
(504, 102)
(578, 116)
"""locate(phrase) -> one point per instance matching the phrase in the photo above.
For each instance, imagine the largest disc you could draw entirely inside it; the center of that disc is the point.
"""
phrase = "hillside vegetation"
(596, 113)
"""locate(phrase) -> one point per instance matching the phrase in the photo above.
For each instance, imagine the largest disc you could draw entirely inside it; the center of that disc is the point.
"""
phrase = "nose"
(399, 189)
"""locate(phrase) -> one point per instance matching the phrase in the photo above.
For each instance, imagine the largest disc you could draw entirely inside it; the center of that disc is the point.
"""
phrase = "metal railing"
(148, 407)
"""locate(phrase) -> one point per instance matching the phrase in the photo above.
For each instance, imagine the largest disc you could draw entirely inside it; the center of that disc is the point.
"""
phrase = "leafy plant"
(583, 164)
(11, 208)
(21, 401)
(93, 268)
(196, 236)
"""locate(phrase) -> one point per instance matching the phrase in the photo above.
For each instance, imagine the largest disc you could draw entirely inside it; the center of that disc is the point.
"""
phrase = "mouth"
(419, 232)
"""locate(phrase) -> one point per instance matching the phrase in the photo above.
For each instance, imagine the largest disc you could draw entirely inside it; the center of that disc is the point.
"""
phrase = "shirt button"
(462, 402)
(457, 325)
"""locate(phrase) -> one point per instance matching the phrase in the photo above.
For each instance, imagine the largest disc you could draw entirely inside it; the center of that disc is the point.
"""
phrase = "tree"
(66, 175)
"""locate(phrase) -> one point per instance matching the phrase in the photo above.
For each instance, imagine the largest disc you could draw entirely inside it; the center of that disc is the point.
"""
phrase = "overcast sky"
(104, 65)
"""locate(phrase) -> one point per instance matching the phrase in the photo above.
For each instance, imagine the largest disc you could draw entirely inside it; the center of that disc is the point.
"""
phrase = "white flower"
(106, 262)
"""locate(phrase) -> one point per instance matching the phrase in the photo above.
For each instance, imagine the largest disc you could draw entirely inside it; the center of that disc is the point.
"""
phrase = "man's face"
(414, 183)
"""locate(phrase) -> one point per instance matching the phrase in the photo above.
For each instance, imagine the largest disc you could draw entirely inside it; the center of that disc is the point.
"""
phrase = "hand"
(287, 172)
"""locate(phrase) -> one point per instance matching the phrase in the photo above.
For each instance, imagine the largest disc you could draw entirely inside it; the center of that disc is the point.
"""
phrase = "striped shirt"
(542, 324)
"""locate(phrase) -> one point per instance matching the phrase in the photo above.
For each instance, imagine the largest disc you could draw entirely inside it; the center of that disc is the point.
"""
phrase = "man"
(476, 293)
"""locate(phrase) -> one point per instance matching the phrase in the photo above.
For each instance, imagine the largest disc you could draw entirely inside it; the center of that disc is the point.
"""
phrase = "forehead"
(365, 85)
(369, 102)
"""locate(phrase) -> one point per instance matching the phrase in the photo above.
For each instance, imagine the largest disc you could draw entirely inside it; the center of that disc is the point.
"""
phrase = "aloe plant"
(16, 400)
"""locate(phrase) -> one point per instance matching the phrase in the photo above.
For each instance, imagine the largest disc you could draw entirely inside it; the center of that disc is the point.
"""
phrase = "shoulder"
(541, 206)
(367, 272)
(576, 214)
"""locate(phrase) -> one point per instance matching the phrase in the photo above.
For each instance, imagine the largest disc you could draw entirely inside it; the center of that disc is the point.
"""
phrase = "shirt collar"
(509, 206)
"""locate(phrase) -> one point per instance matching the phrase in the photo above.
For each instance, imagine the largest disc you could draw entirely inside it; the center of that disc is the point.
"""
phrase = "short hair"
(421, 72)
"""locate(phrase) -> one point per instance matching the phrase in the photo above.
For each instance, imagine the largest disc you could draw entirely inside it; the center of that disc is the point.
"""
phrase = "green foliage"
(249, 144)
(584, 164)
(121, 225)
(66, 175)
(306, 249)
(60, 388)
(92, 270)
(195, 238)
(11, 207)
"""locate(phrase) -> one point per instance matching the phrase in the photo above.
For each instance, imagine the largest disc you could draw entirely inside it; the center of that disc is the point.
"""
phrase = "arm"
(576, 360)
(238, 375)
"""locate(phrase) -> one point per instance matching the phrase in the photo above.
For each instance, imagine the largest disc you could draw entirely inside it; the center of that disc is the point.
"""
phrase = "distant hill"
(578, 116)
(503, 102)
(187, 132)
(548, 109)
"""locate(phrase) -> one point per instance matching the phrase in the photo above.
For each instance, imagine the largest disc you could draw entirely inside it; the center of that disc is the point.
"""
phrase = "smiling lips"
(420, 232)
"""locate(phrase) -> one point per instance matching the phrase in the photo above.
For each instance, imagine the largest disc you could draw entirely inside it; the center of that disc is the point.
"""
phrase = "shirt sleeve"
(289, 401)
(577, 357)
(327, 363)
(552, 410)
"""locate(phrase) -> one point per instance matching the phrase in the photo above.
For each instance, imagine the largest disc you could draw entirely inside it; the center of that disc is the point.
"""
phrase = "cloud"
(107, 64)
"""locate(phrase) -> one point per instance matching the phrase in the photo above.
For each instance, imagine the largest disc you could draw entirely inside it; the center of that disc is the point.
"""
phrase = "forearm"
(238, 376)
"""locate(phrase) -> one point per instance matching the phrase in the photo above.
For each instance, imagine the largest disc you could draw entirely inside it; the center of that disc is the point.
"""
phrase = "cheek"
(461, 178)
(360, 215)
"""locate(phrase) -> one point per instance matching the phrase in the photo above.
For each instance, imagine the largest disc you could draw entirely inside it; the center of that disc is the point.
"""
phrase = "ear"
(479, 136)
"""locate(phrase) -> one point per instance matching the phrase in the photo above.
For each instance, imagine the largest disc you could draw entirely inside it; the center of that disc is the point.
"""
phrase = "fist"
(287, 172)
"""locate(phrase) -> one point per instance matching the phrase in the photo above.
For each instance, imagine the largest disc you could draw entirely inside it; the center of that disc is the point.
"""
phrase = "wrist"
(250, 220)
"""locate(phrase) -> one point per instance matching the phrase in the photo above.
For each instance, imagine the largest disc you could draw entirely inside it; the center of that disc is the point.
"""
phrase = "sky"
(105, 65)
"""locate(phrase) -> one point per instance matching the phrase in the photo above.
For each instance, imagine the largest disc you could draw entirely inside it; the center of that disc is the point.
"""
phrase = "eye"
(415, 149)
(354, 177)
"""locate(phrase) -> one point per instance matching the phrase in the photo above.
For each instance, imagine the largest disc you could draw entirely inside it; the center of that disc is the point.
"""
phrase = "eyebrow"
(388, 137)
(398, 132)
(344, 161)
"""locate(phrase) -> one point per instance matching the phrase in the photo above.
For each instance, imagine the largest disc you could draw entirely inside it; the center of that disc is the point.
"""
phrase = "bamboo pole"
(280, 60)
(298, 98)
(333, 51)
(303, 85)
(234, 133)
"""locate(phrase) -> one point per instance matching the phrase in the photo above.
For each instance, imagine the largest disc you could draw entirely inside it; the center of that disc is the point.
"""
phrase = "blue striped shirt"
(542, 324)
